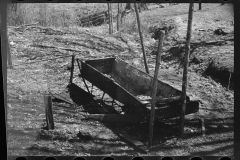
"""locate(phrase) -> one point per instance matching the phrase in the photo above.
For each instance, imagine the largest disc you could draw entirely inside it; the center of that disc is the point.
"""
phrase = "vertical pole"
(4, 37)
(200, 6)
(141, 38)
(185, 69)
(154, 91)
(48, 111)
(72, 69)
(9, 54)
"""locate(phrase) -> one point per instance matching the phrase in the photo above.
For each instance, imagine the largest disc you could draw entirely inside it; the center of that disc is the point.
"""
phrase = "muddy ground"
(26, 85)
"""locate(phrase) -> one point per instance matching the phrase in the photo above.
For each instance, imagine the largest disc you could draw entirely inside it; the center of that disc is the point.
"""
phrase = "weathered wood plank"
(114, 118)
(170, 111)
(161, 101)
(64, 97)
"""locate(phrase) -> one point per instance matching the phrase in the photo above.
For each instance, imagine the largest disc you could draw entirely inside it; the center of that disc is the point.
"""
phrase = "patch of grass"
(57, 134)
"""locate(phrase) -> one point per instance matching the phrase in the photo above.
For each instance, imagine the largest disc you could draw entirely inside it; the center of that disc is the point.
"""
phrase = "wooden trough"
(132, 87)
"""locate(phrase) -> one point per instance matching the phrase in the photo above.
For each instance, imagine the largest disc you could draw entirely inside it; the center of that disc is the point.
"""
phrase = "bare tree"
(128, 6)
(141, 38)
(185, 69)
(110, 18)
(118, 16)
(43, 14)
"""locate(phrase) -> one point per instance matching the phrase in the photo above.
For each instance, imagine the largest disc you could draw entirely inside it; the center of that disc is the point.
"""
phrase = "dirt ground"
(26, 85)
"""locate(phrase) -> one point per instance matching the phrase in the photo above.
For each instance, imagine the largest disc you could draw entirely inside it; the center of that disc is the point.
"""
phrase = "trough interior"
(135, 81)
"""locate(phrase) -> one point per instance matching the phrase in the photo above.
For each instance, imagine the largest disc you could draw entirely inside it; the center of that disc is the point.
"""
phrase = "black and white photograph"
(119, 79)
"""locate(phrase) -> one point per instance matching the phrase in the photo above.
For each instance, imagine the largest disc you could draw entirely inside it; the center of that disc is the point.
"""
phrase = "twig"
(38, 61)
(118, 31)
(46, 46)
(24, 25)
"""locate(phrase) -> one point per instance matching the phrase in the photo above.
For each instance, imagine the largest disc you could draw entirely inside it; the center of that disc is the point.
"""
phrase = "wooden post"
(48, 111)
(154, 91)
(185, 69)
(72, 69)
(9, 54)
(141, 38)
(5, 40)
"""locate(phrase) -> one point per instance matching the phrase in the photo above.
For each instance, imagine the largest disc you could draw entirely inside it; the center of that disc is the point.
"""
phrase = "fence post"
(48, 111)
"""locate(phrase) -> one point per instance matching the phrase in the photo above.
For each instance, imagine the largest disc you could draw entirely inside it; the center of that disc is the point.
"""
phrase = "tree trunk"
(121, 10)
(154, 92)
(200, 6)
(128, 6)
(118, 18)
(109, 17)
(141, 38)
(185, 70)
(139, 8)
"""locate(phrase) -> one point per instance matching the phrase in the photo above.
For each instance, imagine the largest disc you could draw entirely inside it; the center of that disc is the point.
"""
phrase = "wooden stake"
(48, 111)
(154, 92)
(200, 6)
(141, 38)
(4, 36)
(9, 54)
(185, 70)
(72, 69)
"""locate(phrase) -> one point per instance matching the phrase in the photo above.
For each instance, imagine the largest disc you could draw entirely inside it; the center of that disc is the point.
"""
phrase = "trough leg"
(103, 95)
(72, 69)
(113, 101)
(92, 89)
(86, 85)
(82, 77)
